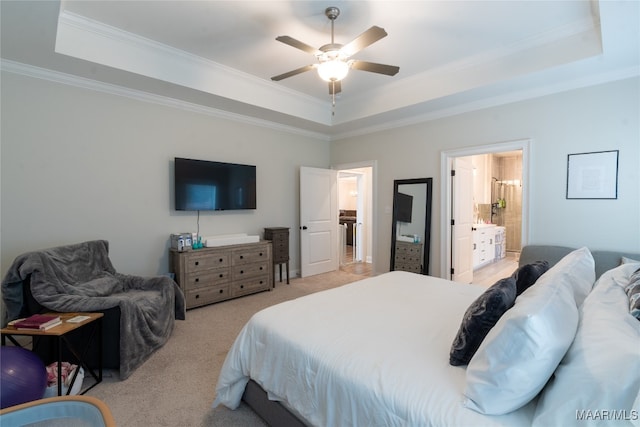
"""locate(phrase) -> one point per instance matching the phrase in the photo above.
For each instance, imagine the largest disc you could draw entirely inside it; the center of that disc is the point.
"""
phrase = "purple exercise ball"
(23, 377)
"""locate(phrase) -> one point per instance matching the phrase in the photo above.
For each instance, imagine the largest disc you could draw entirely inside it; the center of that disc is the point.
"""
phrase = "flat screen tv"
(404, 207)
(202, 185)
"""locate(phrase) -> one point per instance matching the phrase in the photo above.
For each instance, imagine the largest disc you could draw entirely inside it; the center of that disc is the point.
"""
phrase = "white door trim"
(446, 165)
(373, 164)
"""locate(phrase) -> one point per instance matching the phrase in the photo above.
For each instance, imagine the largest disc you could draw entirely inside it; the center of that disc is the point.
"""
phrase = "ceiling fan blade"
(389, 70)
(335, 87)
(298, 45)
(365, 39)
(292, 73)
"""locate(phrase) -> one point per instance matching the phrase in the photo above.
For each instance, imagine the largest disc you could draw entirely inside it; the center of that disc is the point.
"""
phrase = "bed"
(378, 352)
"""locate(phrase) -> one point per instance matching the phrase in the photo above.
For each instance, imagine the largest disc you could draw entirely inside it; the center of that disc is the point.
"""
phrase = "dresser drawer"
(202, 296)
(206, 261)
(408, 249)
(207, 278)
(249, 270)
(412, 268)
(408, 258)
(249, 256)
(281, 253)
(249, 286)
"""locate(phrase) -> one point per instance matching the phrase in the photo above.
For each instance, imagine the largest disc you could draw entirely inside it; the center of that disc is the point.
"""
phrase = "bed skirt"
(274, 413)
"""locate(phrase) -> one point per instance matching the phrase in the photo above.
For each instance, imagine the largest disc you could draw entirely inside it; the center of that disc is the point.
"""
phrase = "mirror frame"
(426, 239)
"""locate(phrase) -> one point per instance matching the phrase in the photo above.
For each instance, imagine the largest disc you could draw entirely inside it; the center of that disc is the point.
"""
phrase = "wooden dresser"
(279, 236)
(216, 274)
(408, 257)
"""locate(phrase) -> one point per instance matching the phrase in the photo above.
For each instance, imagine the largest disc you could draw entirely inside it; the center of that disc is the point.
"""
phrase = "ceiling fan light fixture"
(333, 70)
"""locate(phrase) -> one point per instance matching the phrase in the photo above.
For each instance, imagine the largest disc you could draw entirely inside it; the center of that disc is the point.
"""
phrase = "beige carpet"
(176, 386)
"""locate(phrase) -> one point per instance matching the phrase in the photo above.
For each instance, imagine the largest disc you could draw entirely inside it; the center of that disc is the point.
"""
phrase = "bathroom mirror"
(411, 225)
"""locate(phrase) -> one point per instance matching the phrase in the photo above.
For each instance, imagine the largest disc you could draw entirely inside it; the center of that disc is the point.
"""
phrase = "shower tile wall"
(508, 170)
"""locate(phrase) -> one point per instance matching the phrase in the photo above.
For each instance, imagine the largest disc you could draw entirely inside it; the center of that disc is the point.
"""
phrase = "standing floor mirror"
(411, 227)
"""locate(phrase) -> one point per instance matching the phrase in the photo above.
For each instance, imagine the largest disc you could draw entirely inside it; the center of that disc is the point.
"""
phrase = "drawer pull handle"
(241, 286)
(221, 275)
(220, 260)
(197, 279)
(241, 271)
(260, 268)
(241, 256)
(260, 253)
(197, 262)
(221, 291)
(197, 296)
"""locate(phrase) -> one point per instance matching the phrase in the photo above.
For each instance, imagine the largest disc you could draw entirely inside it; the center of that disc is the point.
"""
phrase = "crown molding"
(87, 39)
(111, 89)
(496, 101)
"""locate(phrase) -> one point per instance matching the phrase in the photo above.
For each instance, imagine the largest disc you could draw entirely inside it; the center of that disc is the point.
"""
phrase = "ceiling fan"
(334, 59)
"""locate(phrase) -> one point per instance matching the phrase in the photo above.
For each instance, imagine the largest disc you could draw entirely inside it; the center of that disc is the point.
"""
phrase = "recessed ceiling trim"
(573, 42)
(90, 40)
(89, 84)
(496, 101)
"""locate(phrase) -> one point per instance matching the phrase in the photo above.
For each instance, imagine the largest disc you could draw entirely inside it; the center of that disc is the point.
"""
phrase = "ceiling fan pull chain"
(333, 99)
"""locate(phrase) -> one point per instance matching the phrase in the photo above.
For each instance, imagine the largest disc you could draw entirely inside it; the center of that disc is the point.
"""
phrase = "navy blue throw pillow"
(480, 317)
(528, 274)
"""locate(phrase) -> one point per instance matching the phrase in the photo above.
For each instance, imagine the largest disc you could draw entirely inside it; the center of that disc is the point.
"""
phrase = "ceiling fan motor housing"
(332, 12)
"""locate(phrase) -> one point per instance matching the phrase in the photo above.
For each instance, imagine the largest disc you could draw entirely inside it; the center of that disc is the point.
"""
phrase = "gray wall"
(599, 118)
(80, 165)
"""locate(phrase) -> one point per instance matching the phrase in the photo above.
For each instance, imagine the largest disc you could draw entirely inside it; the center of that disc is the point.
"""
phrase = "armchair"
(139, 312)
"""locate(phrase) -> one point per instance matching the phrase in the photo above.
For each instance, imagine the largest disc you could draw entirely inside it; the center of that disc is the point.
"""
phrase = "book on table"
(40, 322)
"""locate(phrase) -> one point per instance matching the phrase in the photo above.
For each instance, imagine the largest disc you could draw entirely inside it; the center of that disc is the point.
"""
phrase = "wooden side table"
(279, 237)
(58, 333)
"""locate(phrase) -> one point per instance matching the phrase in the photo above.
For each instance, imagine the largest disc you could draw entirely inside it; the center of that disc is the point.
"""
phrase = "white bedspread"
(371, 353)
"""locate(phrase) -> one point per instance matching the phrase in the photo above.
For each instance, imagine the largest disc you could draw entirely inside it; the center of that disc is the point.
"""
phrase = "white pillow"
(521, 352)
(599, 378)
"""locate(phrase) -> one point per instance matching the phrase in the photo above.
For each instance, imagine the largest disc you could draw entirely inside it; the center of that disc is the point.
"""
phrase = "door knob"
(304, 227)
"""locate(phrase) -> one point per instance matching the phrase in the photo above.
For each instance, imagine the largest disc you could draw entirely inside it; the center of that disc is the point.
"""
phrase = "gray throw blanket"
(80, 277)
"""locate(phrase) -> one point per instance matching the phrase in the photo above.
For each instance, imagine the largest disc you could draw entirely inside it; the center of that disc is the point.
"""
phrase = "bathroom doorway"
(499, 204)
(355, 204)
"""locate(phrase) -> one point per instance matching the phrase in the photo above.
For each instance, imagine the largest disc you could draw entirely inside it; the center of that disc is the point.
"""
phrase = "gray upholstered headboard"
(605, 260)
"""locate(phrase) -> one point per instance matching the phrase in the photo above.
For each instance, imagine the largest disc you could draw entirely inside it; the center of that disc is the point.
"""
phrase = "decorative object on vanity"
(139, 312)
(411, 226)
(592, 175)
(214, 274)
(202, 185)
(279, 237)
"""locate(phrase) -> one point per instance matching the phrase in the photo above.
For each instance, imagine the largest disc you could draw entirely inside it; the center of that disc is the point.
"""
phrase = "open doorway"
(498, 204)
(355, 204)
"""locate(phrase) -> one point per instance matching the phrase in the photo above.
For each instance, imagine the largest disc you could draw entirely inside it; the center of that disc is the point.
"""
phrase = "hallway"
(349, 266)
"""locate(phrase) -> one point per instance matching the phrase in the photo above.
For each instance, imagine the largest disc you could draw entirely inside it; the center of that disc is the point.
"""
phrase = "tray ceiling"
(454, 56)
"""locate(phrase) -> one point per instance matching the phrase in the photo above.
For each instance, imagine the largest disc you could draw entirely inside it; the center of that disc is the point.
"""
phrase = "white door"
(462, 215)
(318, 221)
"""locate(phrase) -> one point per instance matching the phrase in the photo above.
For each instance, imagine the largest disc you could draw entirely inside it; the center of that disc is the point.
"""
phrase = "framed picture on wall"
(592, 175)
